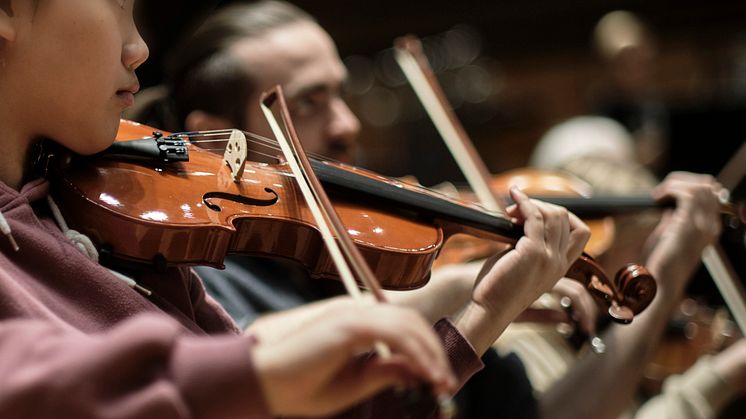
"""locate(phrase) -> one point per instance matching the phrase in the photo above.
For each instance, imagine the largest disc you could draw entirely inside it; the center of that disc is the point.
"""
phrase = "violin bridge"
(236, 153)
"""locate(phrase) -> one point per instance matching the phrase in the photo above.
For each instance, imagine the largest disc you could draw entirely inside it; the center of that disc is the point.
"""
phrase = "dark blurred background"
(520, 66)
(514, 68)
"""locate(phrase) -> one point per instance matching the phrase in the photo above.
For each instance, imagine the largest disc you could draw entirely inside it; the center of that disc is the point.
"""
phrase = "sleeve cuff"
(464, 359)
(218, 378)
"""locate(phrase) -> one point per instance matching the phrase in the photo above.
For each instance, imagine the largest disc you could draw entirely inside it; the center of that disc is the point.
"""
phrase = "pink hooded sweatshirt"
(77, 342)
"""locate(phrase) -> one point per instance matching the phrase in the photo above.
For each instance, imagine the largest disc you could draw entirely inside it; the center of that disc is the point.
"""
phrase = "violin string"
(267, 155)
(209, 141)
(225, 140)
(274, 146)
(254, 139)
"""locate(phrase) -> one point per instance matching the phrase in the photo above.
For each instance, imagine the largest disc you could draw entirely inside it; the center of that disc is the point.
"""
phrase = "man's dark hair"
(5, 5)
(204, 75)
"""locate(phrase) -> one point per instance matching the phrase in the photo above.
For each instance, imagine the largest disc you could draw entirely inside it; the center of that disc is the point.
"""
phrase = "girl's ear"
(7, 29)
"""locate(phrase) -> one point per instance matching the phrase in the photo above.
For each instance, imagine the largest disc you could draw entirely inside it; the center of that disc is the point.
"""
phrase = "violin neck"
(419, 205)
(601, 206)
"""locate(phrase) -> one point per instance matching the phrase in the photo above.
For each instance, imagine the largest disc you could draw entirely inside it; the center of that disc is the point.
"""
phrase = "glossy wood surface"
(558, 184)
(149, 212)
(194, 213)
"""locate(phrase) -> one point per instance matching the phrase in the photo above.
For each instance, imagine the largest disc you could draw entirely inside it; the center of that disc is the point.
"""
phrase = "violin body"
(194, 214)
(694, 330)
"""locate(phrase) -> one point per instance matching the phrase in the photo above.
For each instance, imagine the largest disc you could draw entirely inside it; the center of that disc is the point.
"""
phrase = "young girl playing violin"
(76, 341)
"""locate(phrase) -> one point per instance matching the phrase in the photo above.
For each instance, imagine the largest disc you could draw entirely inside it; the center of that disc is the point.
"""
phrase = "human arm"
(447, 292)
(506, 286)
(312, 360)
(674, 251)
(147, 367)
(730, 365)
(703, 390)
(451, 287)
(508, 283)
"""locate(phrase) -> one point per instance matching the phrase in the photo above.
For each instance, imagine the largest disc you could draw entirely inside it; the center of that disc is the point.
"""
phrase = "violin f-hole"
(244, 200)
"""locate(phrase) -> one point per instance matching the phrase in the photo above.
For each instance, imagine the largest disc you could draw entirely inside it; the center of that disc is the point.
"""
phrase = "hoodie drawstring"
(5, 229)
(85, 245)
(80, 241)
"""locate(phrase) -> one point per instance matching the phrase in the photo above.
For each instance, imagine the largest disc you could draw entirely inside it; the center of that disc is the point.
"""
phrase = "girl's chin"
(94, 143)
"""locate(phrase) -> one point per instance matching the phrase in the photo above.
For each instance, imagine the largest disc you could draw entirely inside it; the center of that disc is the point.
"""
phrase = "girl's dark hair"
(203, 74)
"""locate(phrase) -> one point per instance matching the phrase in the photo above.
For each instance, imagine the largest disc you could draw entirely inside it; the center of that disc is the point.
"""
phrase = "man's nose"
(344, 124)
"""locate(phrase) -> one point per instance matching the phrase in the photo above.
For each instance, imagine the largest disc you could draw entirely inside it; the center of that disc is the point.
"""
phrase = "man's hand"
(584, 309)
(731, 365)
(682, 234)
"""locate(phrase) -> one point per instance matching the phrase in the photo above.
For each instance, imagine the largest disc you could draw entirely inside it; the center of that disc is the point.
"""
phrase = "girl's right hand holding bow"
(316, 359)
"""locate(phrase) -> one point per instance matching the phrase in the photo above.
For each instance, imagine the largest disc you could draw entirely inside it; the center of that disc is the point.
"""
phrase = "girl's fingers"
(578, 237)
(533, 227)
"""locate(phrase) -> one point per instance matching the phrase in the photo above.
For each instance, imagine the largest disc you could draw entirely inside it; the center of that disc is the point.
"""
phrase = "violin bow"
(410, 56)
(734, 170)
(715, 260)
(347, 258)
(413, 62)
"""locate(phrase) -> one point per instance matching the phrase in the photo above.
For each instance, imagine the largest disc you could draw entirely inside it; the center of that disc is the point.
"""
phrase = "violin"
(169, 210)
(409, 54)
(547, 184)
(695, 330)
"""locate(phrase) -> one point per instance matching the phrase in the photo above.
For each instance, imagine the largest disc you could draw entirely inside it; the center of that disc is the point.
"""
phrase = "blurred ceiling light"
(617, 31)
(380, 107)
(462, 45)
(387, 70)
(361, 77)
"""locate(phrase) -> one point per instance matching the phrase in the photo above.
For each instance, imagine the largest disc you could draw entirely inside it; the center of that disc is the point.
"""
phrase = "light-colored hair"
(599, 150)
(583, 136)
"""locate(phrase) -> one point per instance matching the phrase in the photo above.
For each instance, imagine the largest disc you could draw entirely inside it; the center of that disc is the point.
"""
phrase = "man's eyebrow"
(317, 87)
(311, 89)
